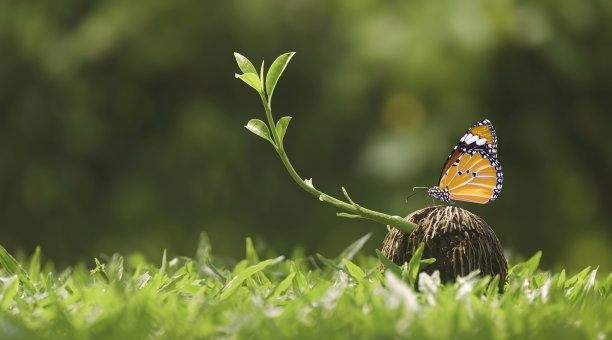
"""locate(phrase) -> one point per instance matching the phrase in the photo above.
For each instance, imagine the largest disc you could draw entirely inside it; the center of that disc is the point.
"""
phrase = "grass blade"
(414, 266)
(286, 283)
(350, 251)
(389, 265)
(251, 254)
(354, 270)
(34, 269)
(10, 290)
(214, 270)
(328, 262)
(14, 268)
(233, 285)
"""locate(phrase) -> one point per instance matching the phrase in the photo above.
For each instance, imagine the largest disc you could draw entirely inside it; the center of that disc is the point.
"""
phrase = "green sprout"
(265, 87)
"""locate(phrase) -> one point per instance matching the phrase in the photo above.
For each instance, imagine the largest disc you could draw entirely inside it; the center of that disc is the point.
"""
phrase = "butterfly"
(471, 172)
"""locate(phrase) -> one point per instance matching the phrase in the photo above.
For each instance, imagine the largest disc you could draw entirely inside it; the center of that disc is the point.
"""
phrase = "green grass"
(345, 297)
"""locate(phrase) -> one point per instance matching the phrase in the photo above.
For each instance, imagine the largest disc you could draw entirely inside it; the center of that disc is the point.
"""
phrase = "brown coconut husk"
(460, 241)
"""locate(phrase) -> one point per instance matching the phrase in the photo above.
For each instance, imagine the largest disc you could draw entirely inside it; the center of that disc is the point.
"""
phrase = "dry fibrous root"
(460, 241)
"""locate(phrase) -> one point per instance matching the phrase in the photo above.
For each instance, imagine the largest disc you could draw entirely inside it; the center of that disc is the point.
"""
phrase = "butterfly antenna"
(415, 192)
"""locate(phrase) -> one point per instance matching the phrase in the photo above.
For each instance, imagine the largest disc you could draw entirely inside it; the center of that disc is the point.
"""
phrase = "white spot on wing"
(481, 141)
(471, 139)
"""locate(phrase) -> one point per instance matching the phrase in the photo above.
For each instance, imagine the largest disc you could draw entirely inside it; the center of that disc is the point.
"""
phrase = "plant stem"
(394, 221)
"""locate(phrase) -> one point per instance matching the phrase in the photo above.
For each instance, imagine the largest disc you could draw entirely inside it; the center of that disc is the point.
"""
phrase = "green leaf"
(233, 285)
(244, 64)
(281, 127)
(389, 265)
(275, 71)
(354, 270)
(13, 267)
(259, 128)
(252, 80)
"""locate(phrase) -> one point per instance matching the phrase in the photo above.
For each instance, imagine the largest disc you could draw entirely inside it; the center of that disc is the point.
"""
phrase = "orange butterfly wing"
(481, 136)
(472, 177)
(471, 172)
(452, 158)
(484, 131)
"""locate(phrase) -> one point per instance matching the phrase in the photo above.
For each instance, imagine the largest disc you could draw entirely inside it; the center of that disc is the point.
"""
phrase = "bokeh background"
(121, 123)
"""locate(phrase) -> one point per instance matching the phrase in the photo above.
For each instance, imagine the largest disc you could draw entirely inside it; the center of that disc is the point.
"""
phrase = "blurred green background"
(121, 123)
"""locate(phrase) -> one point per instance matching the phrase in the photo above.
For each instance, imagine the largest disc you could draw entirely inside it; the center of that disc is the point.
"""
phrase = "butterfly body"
(440, 194)
(471, 172)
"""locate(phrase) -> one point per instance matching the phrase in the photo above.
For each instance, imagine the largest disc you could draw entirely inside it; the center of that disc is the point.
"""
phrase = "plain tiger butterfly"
(471, 172)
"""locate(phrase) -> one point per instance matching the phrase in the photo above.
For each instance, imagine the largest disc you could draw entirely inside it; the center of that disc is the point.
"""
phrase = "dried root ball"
(460, 241)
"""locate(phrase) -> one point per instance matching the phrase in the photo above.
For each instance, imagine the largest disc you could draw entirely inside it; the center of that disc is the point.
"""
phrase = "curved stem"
(281, 151)
(394, 221)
